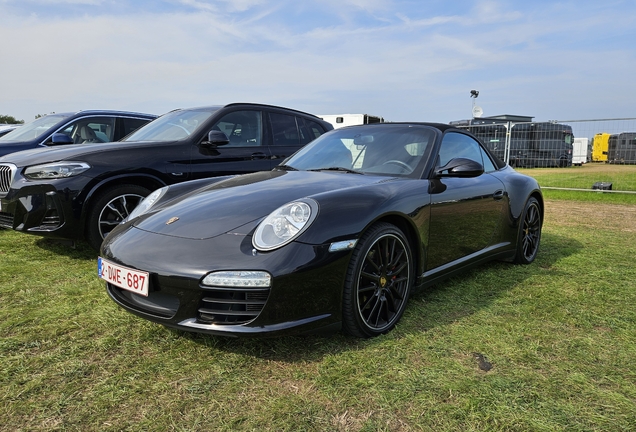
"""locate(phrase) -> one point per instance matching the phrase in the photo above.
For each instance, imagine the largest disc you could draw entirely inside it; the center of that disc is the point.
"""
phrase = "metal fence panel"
(603, 150)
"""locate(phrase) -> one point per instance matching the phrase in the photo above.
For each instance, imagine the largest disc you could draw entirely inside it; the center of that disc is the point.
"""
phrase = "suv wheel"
(111, 207)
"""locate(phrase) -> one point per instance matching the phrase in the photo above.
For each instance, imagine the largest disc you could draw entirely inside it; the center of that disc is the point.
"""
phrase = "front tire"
(529, 234)
(111, 207)
(378, 282)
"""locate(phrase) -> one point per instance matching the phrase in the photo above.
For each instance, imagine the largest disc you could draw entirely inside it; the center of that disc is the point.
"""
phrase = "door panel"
(465, 212)
(465, 216)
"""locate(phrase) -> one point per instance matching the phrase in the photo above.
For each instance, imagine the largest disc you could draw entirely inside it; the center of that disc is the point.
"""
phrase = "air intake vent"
(231, 305)
(51, 220)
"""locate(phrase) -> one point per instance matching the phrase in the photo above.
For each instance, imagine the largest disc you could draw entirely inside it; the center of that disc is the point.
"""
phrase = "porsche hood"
(228, 205)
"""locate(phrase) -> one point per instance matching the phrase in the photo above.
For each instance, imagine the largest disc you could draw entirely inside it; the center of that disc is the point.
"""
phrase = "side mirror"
(61, 138)
(460, 167)
(216, 138)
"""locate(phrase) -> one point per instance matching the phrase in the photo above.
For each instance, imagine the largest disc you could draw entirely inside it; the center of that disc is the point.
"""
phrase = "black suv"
(96, 126)
(78, 191)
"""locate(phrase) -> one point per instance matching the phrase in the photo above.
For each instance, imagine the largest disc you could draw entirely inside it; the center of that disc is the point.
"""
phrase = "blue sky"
(404, 60)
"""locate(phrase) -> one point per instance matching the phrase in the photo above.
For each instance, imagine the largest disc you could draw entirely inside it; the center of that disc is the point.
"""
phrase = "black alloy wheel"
(529, 233)
(378, 282)
(110, 209)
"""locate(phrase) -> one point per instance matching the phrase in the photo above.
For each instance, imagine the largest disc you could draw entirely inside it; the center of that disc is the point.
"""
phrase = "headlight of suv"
(55, 170)
(284, 224)
(146, 204)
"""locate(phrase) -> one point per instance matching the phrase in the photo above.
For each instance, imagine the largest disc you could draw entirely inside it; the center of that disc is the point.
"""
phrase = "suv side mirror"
(216, 138)
(460, 167)
(61, 138)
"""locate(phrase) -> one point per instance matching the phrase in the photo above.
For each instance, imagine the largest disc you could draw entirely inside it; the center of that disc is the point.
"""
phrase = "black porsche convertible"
(335, 238)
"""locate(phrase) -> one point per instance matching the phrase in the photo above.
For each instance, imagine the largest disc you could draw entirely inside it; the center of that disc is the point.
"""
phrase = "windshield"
(34, 129)
(173, 126)
(396, 150)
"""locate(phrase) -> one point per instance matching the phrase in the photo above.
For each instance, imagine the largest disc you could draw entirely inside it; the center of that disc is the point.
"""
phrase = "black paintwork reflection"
(464, 218)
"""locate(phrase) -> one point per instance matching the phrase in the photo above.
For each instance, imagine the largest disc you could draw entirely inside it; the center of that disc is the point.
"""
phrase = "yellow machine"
(600, 147)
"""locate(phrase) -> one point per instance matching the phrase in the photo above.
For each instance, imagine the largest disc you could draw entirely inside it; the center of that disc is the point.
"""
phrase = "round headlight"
(284, 224)
(146, 203)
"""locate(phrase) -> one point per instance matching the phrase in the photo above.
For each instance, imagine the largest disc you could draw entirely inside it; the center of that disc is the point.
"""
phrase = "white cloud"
(241, 5)
(416, 66)
(202, 5)
(59, 2)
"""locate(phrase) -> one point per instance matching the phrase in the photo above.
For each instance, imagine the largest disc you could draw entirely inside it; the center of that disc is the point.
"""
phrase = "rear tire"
(111, 207)
(529, 235)
(378, 282)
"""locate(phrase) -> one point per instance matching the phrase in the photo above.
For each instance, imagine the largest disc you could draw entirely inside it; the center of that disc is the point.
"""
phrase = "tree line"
(7, 119)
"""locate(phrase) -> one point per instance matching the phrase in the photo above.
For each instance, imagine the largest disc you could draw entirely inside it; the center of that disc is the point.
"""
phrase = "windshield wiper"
(286, 168)
(341, 169)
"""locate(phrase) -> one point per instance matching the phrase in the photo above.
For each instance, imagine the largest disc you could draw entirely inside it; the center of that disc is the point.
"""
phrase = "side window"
(456, 145)
(131, 125)
(488, 165)
(309, 130)
(93, 130)
(243, 128)
(284, 130)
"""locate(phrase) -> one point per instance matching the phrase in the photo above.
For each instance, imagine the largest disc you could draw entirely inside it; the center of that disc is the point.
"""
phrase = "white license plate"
(123, 277)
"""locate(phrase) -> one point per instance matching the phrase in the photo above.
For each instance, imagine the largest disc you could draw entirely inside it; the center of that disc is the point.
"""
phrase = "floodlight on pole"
(477, 111)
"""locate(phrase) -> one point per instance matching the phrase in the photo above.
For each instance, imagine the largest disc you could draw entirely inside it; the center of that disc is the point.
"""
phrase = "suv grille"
(6, 175)
(231, 305)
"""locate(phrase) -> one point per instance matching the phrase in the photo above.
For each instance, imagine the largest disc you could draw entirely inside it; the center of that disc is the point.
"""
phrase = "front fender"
(519, 187)
(346, 214)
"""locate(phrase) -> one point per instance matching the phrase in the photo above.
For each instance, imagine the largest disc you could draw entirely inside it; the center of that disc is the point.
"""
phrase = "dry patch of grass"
(591, 215)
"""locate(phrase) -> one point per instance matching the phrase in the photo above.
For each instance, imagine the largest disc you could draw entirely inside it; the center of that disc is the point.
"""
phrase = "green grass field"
(622, 177)
(560, 336)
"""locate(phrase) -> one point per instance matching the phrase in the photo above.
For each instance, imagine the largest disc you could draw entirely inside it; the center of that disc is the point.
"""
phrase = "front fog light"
(238, 279)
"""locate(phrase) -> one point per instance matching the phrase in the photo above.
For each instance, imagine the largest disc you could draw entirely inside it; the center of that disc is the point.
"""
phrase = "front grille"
(231, 305)
(6, 220)
(6, 176)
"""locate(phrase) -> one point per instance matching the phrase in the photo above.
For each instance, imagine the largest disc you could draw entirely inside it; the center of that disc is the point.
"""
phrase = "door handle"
(259, 155)
(498, 194)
